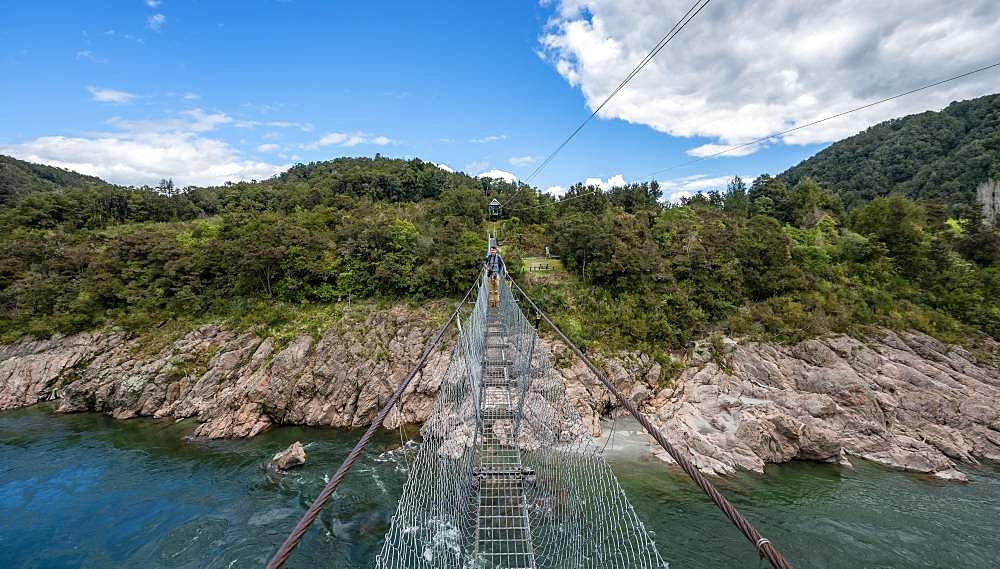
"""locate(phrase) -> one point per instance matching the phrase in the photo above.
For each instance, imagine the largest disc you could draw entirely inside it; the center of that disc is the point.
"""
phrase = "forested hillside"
(19, 178)
(768, 260)
(362, 228)
(933, 155)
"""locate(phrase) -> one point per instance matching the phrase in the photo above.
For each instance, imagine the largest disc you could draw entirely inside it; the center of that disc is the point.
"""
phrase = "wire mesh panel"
(579, 514)
(503, 531)
(433, 519)
(507, 475)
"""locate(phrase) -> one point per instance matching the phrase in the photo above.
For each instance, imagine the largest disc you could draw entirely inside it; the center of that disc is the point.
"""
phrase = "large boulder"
(904, 400)
(294, 455)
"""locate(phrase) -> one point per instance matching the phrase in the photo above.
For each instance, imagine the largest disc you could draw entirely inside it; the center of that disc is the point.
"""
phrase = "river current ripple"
(88, 491)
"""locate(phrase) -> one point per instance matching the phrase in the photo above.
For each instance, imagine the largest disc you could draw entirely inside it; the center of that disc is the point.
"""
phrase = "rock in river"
(294, 455)
(902, 399)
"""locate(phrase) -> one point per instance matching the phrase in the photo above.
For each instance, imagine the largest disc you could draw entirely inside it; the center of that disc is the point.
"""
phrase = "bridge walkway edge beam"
(295, 537)
(763, 545)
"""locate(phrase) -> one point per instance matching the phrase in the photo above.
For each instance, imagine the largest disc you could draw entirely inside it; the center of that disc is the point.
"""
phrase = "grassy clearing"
(541, 264)
(283, 322)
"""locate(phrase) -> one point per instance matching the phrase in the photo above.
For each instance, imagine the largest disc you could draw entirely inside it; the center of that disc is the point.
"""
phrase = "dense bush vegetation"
(19, 178)
(767, 260)
(79, 257)
(934, 155)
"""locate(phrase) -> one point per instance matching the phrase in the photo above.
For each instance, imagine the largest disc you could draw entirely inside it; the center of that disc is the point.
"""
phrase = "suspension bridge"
(507, 475)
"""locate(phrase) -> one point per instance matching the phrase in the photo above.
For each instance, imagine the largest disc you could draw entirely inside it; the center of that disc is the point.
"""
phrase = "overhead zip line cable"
(762, 545)
(822, 120)
(693, 11)
(793, 129)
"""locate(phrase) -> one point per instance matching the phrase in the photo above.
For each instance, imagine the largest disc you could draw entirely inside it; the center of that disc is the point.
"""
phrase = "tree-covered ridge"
(349, 229)
(304, 186)
(19, 178)
(377, 178)
(933, 155)
(769, 260)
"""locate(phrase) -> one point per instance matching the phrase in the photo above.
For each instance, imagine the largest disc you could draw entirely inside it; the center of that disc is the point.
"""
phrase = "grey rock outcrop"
(294, 455)
(901, 399)
(234, 385)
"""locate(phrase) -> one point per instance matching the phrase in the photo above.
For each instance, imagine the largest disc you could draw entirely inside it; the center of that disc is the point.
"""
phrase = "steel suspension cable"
(729, 149)
(295, 537)
(693, 11)
(763, 546)
(824, 119)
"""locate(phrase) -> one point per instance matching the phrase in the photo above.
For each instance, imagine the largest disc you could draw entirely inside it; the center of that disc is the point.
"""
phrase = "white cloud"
(110, 95)
(190, 96)
(156, 21)
(612, 182)
(349, 139)
(724, 79)
(89, 56)
(498, 174)
(194, 120)
(303, 126)
(143, 152)
(556, 191)
(486, 139)
(523, 160)
(153, 3)
(677, 195)
(476, 166)
(446, 168)
(715, 150)
(263, 107)
(268, 147)
(340, 139)
(676, 188)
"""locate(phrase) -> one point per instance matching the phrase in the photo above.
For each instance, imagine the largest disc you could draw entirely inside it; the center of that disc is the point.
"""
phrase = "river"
(89, 491)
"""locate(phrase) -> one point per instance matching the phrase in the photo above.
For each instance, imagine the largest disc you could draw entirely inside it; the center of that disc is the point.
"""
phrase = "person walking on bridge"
(494, 270)
(494, 264)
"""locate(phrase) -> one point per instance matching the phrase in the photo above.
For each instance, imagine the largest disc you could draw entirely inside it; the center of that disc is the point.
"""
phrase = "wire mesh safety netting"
(508, 475)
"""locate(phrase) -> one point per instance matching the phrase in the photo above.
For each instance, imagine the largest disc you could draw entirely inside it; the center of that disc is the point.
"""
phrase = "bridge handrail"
(763, 545)
(293, 539)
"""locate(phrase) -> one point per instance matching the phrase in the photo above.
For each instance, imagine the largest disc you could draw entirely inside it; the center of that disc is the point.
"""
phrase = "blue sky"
(202, 91)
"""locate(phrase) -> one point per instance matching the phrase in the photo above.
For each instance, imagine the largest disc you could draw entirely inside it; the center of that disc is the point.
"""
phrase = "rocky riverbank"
(904, 400)
(235, 385)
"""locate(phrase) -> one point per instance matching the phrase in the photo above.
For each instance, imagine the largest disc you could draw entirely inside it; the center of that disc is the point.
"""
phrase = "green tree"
(899, 224)
(765, 257)
(737, 199)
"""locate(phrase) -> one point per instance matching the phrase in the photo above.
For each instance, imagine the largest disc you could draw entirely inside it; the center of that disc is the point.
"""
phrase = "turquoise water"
(88, 491)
